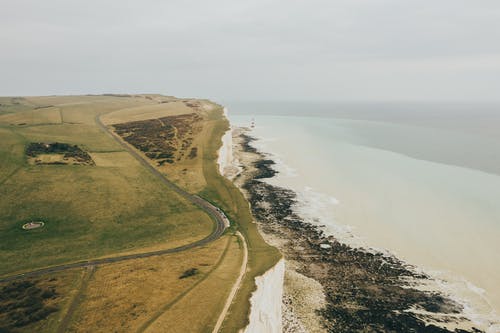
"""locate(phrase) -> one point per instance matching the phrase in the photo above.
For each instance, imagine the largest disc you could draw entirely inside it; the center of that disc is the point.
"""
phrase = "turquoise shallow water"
(428, 195)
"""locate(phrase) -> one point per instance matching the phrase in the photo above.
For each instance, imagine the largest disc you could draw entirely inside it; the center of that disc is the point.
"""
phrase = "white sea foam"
(316, 208)
(476, 305)
(262, 145)
(284, 169)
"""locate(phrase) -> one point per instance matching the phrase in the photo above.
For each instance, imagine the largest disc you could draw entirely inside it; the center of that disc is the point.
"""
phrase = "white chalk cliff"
(225, 157)
(229, 167)
(265, 312)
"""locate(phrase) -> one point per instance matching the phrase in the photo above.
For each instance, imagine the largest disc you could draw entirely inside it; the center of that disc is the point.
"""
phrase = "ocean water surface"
(420, 188)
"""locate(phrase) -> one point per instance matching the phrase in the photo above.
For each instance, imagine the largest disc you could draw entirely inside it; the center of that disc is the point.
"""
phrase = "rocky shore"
(331, 286)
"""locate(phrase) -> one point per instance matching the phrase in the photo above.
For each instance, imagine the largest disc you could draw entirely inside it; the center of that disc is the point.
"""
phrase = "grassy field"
(187, 173)
(117, 206)
(140, 295)
(145, 295)
(201, 176)
(89, 211)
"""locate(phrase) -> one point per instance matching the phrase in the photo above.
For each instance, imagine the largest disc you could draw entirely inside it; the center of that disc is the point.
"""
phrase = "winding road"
(220, 219)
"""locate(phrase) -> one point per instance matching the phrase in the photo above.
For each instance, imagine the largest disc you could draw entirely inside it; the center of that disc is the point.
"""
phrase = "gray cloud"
(263, 49)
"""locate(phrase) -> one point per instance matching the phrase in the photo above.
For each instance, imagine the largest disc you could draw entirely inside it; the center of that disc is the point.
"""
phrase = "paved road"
(221, 223)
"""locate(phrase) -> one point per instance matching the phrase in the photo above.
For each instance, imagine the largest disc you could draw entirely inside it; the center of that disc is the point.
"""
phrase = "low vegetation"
(23, 303)
(190, 272)
(164, 140)
(70, 154)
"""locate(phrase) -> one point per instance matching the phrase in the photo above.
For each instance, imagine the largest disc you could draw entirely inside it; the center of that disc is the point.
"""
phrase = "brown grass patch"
(49, 115)
(113, 159)
(153, 111)
(122, 297)
(200, 309)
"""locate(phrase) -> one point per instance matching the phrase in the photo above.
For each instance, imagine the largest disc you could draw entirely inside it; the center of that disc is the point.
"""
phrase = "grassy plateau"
(113, 205)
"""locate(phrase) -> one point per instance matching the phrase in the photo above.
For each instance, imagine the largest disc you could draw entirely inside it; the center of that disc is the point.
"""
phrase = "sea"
(420, 181)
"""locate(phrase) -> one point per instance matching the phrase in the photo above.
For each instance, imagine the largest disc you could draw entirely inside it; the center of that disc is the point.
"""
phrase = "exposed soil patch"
(164, 140)
(365, 291)
(57, 153)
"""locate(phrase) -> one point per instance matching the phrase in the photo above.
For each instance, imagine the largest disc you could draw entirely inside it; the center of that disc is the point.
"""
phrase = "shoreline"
(265, 311)
(361, 288)
(438, 217)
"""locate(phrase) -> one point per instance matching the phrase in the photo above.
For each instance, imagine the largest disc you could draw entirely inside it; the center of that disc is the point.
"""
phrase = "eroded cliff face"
(266, 301)
(225, 157)
(228, 166)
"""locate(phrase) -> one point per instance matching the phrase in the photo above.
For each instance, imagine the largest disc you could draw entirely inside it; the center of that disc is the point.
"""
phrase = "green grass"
(227, 196)
(11, 153)
(88, 211)
(96, 211)
(88, 137)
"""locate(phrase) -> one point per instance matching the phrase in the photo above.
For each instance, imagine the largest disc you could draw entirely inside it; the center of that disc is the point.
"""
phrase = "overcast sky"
(275, 49)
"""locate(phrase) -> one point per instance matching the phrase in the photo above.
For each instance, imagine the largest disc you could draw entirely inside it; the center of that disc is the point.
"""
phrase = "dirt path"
(236, 285)
(76, 300)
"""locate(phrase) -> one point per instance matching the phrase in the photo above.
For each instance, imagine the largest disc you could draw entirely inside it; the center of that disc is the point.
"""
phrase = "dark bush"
(188, 273)
(22, 303)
